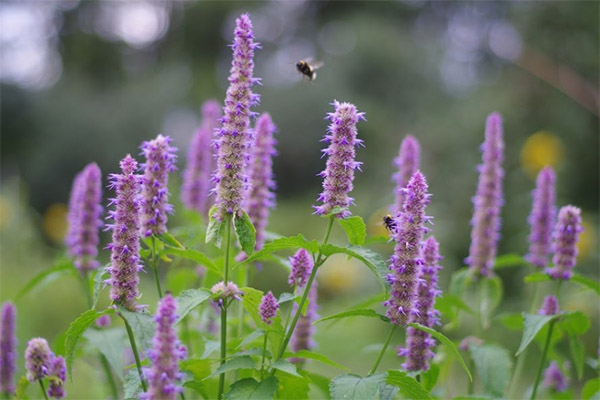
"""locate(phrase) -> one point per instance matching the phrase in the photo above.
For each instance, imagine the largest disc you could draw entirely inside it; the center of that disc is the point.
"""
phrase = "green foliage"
(170, 240)
(490, 296)
(250, 389)
(362, 312)
(216, 228)
(234, 363)
(352, 386)
(372, 260)
(509, 260)
(536, 277)
(355, 229)
(314, 356)
(109, 342)
(586, 282)
(99, 277)
(251, 337)
(429, 378)
(142, 325)
(190, 299)
(292, 387)
(194, 255)
(21, 388)
(591, 389)
(460, 280)
(532, 323)
(199, 368)
(512, 321)
(245, 232)
(285, 297)
(493, 365)
(283, 243)
(574, 323)
(61, 268)
(577, 354)
(133, 386)
(179, 279)
(408, 386)
(285, 366)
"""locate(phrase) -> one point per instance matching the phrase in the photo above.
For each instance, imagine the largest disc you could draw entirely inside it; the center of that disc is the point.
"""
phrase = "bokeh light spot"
(541, 149)
(339, 274)
(55, 222)
(586, 241)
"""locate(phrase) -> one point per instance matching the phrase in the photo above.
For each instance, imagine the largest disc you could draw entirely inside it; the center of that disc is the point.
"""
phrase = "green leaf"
(493, 365)
(76, 329)
(109, 342)
(61, 268)
(536, 277)
(321, 382)
(351, 386)
(196, 386)
(362, 312)
(578, 354)
(591, 389)
(587, 282)
(355, 229)
(21, 388)
(170, 240)
(532, 323)
(251, 337)
(314, 356)
(372, 260)
(179, 279)
(429, 378)
(285, 297)
(408, 386)
(285, 366)
(460, 280)
(448, 344)
(292, 387)
(448, 303)
(142, 325)
(99, 278)
(216, 228)
(251, 301)
(387, 392)
(490, 298)
(199, 368)
(245, 232)
(194, 255)
(250, 389)
(188, 300)
(284, 243)
(509, 260)
(574, 323)
(512, 321)
(132, 387)
(334, 211)
(234, 363)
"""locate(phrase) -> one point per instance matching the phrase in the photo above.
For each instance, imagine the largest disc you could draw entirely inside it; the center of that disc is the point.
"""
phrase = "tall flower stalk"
(8, 348)
(488, 200)
(541, 219)
(407, 163)
(566, 234)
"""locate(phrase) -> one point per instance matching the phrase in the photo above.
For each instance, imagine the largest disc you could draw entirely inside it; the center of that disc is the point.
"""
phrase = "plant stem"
(155, 267)
(543, 360)
(86, 287)
(471, 383)
(262, 363)
(135, 354)
(383, 349)
(289, 312)
(109, 376)
(43, 389)
(224, 308)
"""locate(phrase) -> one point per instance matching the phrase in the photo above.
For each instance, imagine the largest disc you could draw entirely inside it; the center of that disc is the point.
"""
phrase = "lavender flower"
(566, 234)
(549, 307)
(339, 170)
(406, 258)
(84, 218)
(160, 161)
(224, 292)
(542, 218)
(268, 308)
(165, 354)
(302, 265)
(125, 246)
(38, 359)
(262, 196)
(419, 343)
(200, 161)
(8, 348)
(488, 200)
(58, 374)
(234, 138)
(554, 378)
(302, 337)
(407, 163)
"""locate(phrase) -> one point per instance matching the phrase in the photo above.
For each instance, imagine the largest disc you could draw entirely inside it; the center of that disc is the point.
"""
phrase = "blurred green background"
(89, 81)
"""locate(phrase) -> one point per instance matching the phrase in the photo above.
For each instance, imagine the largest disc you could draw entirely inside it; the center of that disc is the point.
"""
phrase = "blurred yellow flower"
(375, 225)
(339, 274)
(586, 241)
(5, 212)
(55, 222)
(541, 149)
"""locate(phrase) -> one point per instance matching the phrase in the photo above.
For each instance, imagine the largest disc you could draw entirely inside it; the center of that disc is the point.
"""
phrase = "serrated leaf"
(490, 297)
(132, 387)
(21, 388)
(250, 389)
(188, 300)
(142, 325)
(251, 337)
(199, 368)
(234, 363)
(408, 386)
(532, 324)
(591, 389)
(359, 312)
(245, 232)
(314, 356)
(284, 243)
(536, 277)
(109, 342)
(355, 229)
(216, 228)
(196, 386)
(61, 268)
(170, 240)
(285, 366)
(194, 255)
(439, 336)
(493, 365)
(509, 260)
(292, 387)
(76, 329)
(586, 282)
(352, 386)
(372, 260)
(577, 354)
(574, 323)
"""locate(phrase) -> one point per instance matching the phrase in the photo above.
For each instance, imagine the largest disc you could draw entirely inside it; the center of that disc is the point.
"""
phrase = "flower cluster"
(41, 362)
(223, 292)
(339, 170)
(302, 265)
(566, 235)
(542, 218)
(268, 308)
(407, 163)
(8, 348)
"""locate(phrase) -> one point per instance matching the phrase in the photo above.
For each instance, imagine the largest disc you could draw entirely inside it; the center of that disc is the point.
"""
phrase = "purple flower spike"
(8, 348)
(554, 378)
(160, 161)
(566, 235)
(125, 246)
(103, 321)
(488, 200)
(165, 354)
(340, 166)
(406, 259)
(262, 195)
(302, 337)
(58, 375)
(549, 307)
(84, 218)
(38, 359)
(268, 308)
(302, 265)
(541, 219)
(200, 161)
(407, 163)
(419, 343)
(235, 136)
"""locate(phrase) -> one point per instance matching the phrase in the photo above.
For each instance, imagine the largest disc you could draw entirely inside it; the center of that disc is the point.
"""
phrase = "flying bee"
(308, 68)
(390, 223)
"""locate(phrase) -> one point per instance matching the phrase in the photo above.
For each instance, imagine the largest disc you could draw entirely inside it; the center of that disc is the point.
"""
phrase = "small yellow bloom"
(55, 222)
(541, 149)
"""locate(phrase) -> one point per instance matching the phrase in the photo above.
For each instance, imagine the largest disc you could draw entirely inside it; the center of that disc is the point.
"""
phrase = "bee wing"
(308, 60)
(317, 64)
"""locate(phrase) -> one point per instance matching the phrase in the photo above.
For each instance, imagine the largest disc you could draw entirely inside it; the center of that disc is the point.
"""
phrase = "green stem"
(262, 363)
(543, 360)
(109, 376)
(383, 349)
(155, 267)
(289, 312)
(471, 383)
(224, 308)
(135, 354)
(43, 389)
(86, 287)
(186, 335)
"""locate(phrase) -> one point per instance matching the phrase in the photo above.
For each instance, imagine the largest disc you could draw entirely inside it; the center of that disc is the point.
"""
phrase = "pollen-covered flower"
(262, 195)
(160, 161)
(125, 245)
(57, 374)
(268, 308)
(488, 200)
(201, 161)
(8, 348)
(38, 359)
(84, 218)
(566, 234)
(554, 378)
(165, 354)
(223, 292)
(419, 344)
(339, 169)
(407, 163)
(542, 218)
(303, 336)
(234, 138)
(302, 265)
(407, 259)
(550, 306)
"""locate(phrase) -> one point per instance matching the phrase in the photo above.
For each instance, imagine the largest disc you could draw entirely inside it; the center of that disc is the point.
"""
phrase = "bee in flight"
(390, 223)
(308, 68)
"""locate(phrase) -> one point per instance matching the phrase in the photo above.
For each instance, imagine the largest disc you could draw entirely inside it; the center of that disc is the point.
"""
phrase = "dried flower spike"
(339, 170)
(8, 348)
(566, 235)
(38, 359)
(407, 163)
(302, 265)
(268, 308)
(541, 219)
